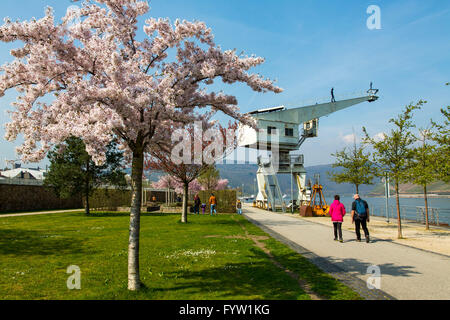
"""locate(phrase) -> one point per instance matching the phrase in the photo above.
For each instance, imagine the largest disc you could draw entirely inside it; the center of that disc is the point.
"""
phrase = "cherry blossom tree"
(166, 182)
(222, 184)
(94, 79)
(195, 186)
(169, 182)
(185, 164)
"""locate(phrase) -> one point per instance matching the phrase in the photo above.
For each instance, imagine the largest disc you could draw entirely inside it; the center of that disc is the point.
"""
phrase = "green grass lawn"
(208, 258)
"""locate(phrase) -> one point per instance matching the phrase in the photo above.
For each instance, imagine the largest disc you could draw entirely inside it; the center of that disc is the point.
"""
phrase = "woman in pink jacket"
(337, 212)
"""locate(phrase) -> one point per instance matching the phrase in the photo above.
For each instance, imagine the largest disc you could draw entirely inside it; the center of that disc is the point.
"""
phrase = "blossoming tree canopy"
(222, 184)
(186, 164)
(104, 82)
(169, 182)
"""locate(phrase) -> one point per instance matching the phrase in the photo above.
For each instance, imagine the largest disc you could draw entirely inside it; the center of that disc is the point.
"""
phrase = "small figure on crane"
(372, 91)
(332, 95)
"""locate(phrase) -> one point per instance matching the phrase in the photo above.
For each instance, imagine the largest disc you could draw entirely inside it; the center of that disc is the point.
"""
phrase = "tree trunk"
(185, 202)
(134, 282)
(357, 188)
(86, 206)
(399, 220)
(86, 189)
(427, 225)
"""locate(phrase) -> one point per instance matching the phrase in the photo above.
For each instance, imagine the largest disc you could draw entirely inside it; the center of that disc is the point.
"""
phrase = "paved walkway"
(406, 272)
(37, 213)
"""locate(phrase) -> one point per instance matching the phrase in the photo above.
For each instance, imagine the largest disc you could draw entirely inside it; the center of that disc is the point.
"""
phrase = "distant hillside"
(439, 187)
(245, 174)
(239, 174)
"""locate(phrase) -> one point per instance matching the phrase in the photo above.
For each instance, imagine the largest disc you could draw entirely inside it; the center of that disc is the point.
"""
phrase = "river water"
(411, 208)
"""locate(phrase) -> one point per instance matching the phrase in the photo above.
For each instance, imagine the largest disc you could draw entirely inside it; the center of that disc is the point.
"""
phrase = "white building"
(23, 173)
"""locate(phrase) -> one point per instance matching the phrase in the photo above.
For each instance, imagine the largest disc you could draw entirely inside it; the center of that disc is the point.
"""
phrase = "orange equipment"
(320, 209)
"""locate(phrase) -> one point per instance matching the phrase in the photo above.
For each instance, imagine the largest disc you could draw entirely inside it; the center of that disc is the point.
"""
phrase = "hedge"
(226, 200)
(111, 199)
(33, 198)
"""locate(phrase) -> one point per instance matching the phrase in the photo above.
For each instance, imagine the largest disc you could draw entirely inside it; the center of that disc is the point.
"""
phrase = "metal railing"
(436, 216)
(433, 215)
(325, 99)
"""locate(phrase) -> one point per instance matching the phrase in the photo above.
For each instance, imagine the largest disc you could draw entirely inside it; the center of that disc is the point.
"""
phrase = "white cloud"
(350, 138)
(379, 136)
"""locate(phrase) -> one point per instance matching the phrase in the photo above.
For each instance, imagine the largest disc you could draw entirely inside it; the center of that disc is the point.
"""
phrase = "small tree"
(183, 175)
(73, 172)
(185, 169)
(393, 151)
(357, 167)
(442, 138)
(209, 178)
(422, 167)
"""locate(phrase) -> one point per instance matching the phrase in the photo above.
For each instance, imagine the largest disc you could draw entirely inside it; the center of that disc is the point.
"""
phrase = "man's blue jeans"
(213, 209)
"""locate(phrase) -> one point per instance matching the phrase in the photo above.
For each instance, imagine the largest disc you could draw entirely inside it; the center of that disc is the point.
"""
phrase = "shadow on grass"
(319, 281)
(105, 214)
(30, 242)
(260, 279)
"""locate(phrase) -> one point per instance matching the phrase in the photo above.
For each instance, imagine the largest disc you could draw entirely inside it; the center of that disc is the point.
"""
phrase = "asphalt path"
(406, 273)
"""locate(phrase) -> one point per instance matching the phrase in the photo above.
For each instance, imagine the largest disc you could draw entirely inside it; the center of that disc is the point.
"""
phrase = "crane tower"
(283, 131)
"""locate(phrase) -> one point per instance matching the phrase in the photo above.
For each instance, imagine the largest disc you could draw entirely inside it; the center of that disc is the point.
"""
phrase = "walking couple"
(360, 217)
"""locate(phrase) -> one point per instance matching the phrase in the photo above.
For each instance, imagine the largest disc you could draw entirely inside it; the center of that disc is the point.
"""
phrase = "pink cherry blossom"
(222, 184)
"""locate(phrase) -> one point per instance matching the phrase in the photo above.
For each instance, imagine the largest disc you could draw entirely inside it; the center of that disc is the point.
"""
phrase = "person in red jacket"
(337, 212)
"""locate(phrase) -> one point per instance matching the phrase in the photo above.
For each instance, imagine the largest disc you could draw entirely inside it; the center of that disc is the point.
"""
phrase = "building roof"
(16, 173)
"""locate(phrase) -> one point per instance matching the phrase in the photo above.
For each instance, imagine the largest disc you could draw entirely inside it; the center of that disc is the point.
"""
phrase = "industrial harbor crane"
(278, 131)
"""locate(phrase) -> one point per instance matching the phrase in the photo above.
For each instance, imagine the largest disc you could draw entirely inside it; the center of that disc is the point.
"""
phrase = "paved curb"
(353, 282)
(37, 213)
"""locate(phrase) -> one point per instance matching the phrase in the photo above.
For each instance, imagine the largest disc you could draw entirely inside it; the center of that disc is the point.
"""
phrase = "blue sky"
(309, 47)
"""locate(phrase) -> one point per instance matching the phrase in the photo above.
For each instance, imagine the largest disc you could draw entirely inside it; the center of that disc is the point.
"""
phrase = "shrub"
(110, 199)
(226, 200)
(31, 198)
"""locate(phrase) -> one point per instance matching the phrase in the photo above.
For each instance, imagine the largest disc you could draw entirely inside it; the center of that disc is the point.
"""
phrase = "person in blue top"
(360, 217)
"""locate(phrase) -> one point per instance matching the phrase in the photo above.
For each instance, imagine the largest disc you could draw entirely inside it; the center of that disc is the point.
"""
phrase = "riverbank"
(436, 239)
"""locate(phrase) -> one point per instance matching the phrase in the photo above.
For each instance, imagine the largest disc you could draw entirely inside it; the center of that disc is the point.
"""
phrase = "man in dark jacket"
(360, 216)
